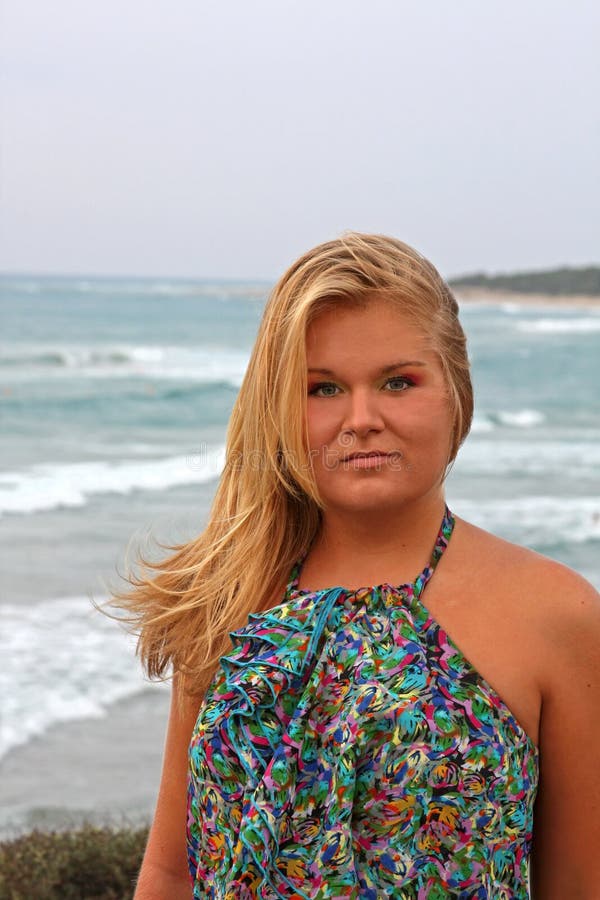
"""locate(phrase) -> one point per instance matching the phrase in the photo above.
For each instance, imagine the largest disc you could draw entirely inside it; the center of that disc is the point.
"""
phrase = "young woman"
(372, 697)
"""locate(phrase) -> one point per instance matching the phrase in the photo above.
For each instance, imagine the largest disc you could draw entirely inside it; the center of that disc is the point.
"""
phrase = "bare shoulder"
(554, 625)
(545, 626)
(548, 580)
(560, 607)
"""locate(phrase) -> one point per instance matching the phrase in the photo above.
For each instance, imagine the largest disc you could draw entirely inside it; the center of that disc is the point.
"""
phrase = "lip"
(365, 455)
(373, 459)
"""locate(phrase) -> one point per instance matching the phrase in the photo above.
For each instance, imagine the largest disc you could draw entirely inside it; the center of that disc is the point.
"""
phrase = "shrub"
(88, 863)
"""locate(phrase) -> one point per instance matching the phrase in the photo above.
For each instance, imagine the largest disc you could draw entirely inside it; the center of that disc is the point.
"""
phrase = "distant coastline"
(551, 287)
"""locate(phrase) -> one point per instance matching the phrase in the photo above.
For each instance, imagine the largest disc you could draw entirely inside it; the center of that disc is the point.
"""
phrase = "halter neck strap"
(417, 587)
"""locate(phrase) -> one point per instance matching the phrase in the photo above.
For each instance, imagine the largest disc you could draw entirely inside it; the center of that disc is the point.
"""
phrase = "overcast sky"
(223, 138)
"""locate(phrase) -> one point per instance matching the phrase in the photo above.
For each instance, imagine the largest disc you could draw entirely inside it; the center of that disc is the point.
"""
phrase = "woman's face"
(378, 414)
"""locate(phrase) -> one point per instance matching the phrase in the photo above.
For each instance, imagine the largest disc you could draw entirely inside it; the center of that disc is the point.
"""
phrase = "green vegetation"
(585, 281)
(88, 863)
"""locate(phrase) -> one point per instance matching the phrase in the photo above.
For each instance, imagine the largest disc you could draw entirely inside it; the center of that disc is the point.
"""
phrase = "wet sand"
(103, 771)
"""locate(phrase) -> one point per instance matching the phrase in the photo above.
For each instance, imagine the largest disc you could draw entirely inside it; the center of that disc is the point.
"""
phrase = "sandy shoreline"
(558, 301)
(104, 771)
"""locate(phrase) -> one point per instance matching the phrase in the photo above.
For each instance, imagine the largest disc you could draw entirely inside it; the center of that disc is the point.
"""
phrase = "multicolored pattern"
(347, 749)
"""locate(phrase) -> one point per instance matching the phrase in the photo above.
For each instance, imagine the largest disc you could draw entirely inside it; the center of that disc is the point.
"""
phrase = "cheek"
(426, 423)
(320, 426)
(441, 428)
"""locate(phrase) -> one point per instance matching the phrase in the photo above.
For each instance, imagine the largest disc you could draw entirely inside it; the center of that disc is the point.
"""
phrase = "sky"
(188, 138)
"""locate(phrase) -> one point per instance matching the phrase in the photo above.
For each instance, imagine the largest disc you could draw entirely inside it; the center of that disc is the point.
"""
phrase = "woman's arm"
(164, 872)
(566, 855)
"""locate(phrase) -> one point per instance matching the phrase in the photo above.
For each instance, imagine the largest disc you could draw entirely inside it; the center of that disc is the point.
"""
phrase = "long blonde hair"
(266, 510)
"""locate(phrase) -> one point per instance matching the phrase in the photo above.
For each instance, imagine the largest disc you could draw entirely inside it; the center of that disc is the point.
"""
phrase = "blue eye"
(399, 383)
(324, 389)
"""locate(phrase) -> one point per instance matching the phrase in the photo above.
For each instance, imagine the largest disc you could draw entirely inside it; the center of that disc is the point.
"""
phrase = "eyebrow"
(392, 367)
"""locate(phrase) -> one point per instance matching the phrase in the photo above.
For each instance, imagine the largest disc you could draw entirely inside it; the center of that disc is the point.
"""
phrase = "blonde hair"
(266, 510)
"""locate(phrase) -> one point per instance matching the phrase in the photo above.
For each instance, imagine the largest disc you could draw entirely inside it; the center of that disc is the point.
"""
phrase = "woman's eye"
(399, 383)
(325, 389)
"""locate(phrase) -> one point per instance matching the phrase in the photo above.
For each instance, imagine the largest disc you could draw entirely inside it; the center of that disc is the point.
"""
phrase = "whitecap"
(547, 458)
(203, 364)
(535, 520)
(481, 425)
(581, 325)
(521, 418)
(48, 486)
(61, 661)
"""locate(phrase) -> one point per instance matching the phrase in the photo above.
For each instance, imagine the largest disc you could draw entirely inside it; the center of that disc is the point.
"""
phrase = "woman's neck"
(357, 550)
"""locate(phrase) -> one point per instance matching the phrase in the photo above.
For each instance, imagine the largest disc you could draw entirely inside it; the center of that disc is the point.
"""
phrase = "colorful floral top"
(347, 749)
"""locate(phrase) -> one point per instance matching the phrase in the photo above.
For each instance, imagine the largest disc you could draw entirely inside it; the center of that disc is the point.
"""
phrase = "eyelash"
(407, 382)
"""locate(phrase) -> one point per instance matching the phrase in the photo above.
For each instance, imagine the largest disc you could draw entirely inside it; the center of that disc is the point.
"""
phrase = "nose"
(362, 414)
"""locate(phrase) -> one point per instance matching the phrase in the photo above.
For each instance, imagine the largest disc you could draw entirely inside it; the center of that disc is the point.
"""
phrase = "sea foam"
(516, 418)
(62, 660)
(539, 521)
(540, 458)
(521, 418)
(204, 364)
(561, 326)
(52, 485)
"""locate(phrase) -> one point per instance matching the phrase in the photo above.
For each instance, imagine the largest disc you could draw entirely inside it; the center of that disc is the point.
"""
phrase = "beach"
(105, 771)
(115, 399)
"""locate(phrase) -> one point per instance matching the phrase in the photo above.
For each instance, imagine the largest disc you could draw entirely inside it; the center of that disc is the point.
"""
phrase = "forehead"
(366, 328)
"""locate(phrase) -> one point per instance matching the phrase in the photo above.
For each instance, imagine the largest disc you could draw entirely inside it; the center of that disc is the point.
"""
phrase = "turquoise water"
(114, 398)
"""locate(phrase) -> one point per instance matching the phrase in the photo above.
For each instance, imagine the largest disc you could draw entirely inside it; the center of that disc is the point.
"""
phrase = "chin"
(366, 496)
(374, 498)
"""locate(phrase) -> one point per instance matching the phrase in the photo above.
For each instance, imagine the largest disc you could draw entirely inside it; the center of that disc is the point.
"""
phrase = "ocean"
(114, 400)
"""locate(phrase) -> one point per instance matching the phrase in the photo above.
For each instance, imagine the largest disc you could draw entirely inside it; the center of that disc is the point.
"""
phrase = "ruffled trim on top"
(274, 653)
(275, 650)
